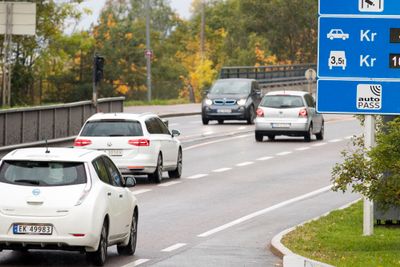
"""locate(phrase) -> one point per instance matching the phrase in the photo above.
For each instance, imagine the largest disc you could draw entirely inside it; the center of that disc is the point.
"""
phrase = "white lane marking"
(242, 128)
(197, 176)
(173, 124)
(348, 137)
(264, 211)
(284, 153)
(208, 133)
(245, 164)
(303, 148)
(169, 184)
(264, 158)
(138, 192)
(217, 141)
(335, 140)
(222, 170)
(136, 263)
(320, 144)
(174, 247)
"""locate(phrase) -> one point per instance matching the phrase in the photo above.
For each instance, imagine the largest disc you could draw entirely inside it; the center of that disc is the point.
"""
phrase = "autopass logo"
(369, 96)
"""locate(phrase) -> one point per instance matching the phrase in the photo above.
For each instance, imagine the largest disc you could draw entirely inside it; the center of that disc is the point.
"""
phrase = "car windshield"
(282, 101)
(230, 87)
(42, 173)
(112, 128)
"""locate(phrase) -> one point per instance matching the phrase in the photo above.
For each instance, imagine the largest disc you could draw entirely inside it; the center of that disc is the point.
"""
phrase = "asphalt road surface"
(234, 196)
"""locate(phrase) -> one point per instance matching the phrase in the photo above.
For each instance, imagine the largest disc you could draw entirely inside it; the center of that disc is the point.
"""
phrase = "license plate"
(224, 110)
(114, 152)
(281, 125)
(32, 229)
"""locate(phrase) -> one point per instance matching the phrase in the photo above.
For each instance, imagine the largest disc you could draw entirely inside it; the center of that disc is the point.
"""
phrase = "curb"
(291, 259)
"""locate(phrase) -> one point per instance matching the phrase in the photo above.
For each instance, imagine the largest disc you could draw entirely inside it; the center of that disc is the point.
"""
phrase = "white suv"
(137, 143)
(64, 198)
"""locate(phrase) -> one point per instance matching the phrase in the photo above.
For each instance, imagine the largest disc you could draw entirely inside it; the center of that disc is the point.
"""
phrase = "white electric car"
(64, 198)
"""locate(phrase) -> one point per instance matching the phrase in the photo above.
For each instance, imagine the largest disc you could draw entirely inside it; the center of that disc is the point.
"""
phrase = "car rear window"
(112, 128)
(41, 173)
(282, 101)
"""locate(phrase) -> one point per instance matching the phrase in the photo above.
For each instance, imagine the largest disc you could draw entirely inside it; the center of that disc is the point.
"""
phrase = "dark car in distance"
(231, 99)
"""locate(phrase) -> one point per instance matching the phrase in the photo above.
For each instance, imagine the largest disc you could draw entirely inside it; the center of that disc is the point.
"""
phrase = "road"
(234, 196)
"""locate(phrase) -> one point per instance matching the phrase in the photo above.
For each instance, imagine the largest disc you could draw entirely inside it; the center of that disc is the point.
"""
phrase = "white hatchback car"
(64, 198)
(290, 113)
(137, 143)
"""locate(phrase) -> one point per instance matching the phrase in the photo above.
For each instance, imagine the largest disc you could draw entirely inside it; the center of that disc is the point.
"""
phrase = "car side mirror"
(205, 92)
(130, 181)
(175, 133)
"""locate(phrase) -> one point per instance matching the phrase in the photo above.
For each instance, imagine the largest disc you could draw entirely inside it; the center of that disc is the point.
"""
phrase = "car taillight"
(139, 142)
(82, 142)
(303, 113)
(260, 112)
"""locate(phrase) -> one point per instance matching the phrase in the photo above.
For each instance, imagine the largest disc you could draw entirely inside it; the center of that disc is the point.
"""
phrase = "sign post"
(359, 64)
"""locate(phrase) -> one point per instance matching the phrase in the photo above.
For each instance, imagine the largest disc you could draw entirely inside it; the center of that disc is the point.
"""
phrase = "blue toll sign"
(359, 7)
(358, 97)
(358, 47)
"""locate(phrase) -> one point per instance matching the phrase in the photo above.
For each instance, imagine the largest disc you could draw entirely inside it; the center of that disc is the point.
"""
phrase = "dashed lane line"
(169, 184)
(284, 153)
(174, 247)
(222, 170)
(319, 144)
(216, 141)
(136, 263)
(335, 140)
(138, 192)
(247, 163)
(197, 176)
(264, 158)
(264, 211)
(303, 148)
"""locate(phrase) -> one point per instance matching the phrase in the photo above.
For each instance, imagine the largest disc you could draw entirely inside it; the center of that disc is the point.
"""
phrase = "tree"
(374, 173)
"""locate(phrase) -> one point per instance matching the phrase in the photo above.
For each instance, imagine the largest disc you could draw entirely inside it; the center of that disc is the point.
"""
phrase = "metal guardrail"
(24, 127)
(268, 74)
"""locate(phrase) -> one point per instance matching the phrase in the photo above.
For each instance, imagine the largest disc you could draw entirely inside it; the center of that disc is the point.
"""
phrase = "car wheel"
(204, 120)
(157, 175)
(320, 135)
(259, 137)
(99, 257)
(271, 137)
(130, 248)
(177, 173)
(309, 133)
(220, 121)
(252, 115)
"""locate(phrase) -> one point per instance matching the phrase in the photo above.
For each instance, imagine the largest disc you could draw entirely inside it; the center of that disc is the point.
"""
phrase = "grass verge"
(337, 239)
(156, 102)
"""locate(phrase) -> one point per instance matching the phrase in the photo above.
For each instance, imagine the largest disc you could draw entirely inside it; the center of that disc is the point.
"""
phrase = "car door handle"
(109, 194)
(121, 196)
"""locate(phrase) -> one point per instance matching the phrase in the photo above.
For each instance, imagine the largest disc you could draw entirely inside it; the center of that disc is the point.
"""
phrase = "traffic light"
(98, 68)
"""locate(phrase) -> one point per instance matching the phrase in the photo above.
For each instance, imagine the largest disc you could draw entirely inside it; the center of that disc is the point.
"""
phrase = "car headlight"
(208, 102)
(242, 102)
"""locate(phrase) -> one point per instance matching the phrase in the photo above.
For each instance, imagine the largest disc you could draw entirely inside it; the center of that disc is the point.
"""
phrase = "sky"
(181, 6)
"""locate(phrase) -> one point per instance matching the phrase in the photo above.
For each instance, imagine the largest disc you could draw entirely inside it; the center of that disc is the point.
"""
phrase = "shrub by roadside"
(337, 239)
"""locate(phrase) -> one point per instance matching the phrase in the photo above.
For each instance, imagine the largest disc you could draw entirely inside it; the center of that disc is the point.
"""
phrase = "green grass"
(337, 239)
(156, 102)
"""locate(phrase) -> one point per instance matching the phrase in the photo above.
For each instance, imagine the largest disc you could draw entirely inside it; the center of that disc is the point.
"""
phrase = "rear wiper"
(34, 182)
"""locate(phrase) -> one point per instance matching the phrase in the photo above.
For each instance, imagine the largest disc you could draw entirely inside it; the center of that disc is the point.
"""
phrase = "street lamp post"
(148, 50)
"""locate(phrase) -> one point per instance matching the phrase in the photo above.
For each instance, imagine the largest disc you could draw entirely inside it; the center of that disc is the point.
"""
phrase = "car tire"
(320, 135)
(177, 173)
(251, 115)
(271, 137)
(259, 137)
(99, 256)
(130, 248)
(220, 121)
(308, 134)
(156, 176)
(204, 120)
